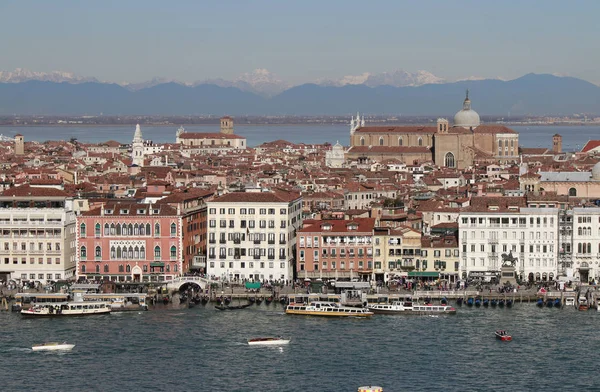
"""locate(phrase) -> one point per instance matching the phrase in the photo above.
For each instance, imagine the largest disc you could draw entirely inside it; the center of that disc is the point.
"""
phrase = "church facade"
(459, 145)
(202, 142)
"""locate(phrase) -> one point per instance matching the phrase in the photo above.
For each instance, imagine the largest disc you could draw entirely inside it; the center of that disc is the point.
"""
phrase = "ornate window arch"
(157, 229)
(572, 192)
(106, 268)
(157, 252)
(381, 141)
(142, 253)
(118, 228)
(106, 229)
(449, 160)
(173, 229)
(98, 228)
(83, 269)
(148, 231)
(98, 251)
(127, 268)
(173, 252)
(82, 230)
(83, 253)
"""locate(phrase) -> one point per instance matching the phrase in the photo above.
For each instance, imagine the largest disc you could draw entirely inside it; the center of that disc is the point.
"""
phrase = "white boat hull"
(278, 342)
(56, 347)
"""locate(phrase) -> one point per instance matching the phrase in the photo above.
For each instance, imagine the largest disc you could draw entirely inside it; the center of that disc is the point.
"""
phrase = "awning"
(252, 285)
(157, 264)
(423, 274)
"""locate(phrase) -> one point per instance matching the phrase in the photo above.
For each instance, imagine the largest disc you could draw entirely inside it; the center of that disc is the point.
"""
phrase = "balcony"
(198, 262)
(281, 257)
(493, 241)
(212, 257)
(212, 241)
(271, 257)
(222, 241)
(222, 257)
(237, 241)
(271, 242)
(256, 257)
(257, 242)
(282, 242)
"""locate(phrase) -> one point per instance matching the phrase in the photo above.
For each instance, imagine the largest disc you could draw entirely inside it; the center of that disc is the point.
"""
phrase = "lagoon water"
(574, 137)
(203, 349)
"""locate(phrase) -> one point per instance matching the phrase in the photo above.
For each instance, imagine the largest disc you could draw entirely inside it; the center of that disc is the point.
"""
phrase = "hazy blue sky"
(302, 40)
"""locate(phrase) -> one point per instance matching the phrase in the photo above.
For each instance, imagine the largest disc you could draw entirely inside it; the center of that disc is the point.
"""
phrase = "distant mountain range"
(261, 93)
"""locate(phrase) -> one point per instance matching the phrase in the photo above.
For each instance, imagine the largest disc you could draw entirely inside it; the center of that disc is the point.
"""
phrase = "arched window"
(128, 268)
(130, 229)
(499, 145)
(148, 231)
(113, 252)
(105, 267)
(579, 248)
(449, 160)
(142, 229)
(173, 252)
(400, 141)
(83, 269)
(136, 252)
(362, 141)
(121, 268)
(118, 229)
(97, 269)
(130, 252)
(82, 229)
(119, 253)
(97, 230)
(157, 252)
(112, 229)
(83, 253)
(173, 229)
(579, 231)
(512, 143)
(572, 192)
(136, 229)
(142, 253)
(98, 251)
(106, 229)
(420, 141)
(589, 247)
(157, 229)
(381, 141)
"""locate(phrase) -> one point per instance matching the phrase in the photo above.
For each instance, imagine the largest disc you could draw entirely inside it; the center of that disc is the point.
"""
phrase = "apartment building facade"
(37, 226)
(252, 235)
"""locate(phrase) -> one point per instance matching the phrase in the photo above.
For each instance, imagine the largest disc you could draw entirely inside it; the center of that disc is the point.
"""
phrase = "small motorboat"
(278, 341)
(53, 346)
(502, 335)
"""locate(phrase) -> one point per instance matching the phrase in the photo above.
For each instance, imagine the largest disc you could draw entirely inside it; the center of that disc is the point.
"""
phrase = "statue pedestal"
(507, 274)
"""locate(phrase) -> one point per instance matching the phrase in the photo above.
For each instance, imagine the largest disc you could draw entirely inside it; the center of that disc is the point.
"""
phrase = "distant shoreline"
(268, 125)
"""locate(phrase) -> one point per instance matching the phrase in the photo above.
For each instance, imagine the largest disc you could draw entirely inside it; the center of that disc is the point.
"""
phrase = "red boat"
(502, 335)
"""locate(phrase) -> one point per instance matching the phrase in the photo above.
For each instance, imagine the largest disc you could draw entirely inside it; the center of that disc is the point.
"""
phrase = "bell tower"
(227, 125)
(442, 125)
(137, 147)
(557, 144)
(19, 144)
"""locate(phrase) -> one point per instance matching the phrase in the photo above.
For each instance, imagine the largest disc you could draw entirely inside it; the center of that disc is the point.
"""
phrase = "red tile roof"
(590, 145)
(397, 129)
(27, 190)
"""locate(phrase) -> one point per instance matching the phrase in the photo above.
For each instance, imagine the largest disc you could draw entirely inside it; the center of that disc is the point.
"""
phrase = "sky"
(300, 41)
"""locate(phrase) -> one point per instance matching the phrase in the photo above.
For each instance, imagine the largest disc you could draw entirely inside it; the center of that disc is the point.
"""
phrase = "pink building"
(335, 249)
(129, 242)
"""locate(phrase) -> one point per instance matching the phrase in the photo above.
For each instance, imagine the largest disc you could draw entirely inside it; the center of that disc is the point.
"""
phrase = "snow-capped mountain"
(260, 81)
(23, 75)
(398, 78)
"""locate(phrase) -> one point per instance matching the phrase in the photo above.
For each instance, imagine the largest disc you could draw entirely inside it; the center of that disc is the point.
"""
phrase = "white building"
(529, 234)
(251, 235)
(335, 157)
(37, 226)
(586, 245)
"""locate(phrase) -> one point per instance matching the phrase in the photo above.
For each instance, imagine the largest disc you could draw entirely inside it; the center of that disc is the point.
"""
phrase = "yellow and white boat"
(327, 309)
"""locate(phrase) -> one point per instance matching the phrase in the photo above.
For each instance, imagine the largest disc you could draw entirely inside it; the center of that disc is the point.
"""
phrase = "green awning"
(415, 274)
(253, 285)
(157, 264)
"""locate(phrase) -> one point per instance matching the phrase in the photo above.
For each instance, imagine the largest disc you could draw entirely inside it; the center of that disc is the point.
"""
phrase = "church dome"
(596, 172)
(467, 117)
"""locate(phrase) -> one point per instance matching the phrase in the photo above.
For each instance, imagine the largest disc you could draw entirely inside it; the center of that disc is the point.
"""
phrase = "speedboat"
(53, 346)
(502, 335)
(268, 341)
